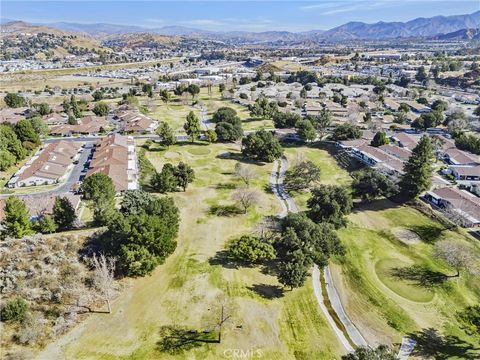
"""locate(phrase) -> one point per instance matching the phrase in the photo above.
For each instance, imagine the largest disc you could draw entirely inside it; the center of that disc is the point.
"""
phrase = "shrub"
(14, 310)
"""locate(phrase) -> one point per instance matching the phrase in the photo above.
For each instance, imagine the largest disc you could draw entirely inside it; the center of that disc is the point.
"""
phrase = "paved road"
(288, 204)
(73, 177)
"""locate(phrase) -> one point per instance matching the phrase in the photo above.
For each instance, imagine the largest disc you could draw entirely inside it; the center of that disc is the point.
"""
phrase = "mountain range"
(419, 27)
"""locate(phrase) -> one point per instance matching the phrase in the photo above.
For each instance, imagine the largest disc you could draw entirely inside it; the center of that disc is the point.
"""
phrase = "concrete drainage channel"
(323, 286)
(325, 292)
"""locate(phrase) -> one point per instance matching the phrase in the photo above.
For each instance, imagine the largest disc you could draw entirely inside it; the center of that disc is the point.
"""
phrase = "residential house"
(459, 203)
(115, 157)
(49, 165)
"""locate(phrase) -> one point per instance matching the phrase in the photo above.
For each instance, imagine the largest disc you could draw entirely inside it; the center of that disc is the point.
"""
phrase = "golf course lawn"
(330, 172)
(186, 290)
(391, 287)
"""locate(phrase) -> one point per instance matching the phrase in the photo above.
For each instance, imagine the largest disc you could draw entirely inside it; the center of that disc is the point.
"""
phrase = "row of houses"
(133, 121)
(87, 125)
(115, 156)
(50, 165)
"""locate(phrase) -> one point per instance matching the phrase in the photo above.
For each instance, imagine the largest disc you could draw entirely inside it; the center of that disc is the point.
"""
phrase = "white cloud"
(203, 22)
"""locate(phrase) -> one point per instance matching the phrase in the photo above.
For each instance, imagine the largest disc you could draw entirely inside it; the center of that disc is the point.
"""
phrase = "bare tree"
(457, 217)
(245, 173)
(103, 278)
(246, 198)
(459, 256)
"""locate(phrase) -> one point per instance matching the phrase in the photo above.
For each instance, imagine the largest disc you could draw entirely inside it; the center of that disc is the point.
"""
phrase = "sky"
(232, 15)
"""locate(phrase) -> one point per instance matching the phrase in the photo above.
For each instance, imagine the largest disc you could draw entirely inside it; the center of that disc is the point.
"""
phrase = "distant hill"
(463, 34)
(24, 40)
(420, 27)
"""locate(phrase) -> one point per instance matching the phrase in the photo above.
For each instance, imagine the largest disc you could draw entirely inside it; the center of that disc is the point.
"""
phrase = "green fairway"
(390, 288)
(185, 290)
(384, 269)
(330, 172)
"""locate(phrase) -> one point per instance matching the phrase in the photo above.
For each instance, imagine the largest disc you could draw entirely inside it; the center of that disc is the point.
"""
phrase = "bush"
(14, 310)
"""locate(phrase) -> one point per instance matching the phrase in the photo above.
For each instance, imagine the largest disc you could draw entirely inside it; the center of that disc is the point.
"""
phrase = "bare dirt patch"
(406, 236)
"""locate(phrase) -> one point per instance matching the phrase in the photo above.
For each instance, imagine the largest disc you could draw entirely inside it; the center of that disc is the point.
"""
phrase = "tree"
(246, 198)
(166, 134)
(418, 170)
(470, 317)
(39, 126)
(142, 241)
(99, 189)
(9, 143)
(439, 105)
(245, 173)
(229, 131)
(421, 75)
(262, 108)
(210, 136)
(369, 184)
(184, 175)
(193, 90)
(305, 130)
(16, 221)
(42, 109)
(293, 273)
(192, 126)
(165, 181)
(14, 310)
(147, 89)
(329, 203)
(426, 121)
(404, 107)
(224, 114)
(285, 119)
(100, 109)
(382, 352)
(45, 224)
(64, 213)
(380, 139)
(301, 176)
(400, 117)
(458, 255)
(134, 202)
(250, 249)
(26, 134)
(346, 132)
(6, 160)
(14, 101)
(97, 95)
(322, 121)
(103, 277)
(262, 146)
(166, 96)
(74, 107)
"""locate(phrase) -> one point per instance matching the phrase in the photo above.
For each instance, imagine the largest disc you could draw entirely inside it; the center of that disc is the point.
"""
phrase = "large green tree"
(165, 180)
(14, 100)
(330, 203)
(417, 170)
(301, 176)
(305, 130)
(261, 145)
(346, 132)
(192, 126)
(184, 175)
(250, 249)
(16, 222)
(64, 213)
(369, 184)
(166, 134)
(98, 188)
(27, 134)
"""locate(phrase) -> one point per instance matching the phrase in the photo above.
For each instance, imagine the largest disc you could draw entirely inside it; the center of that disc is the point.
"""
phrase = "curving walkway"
(288, 205)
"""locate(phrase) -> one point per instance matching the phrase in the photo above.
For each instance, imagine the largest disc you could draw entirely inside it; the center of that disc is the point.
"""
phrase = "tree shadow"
(226, 186)
(175, 340)
(267, 291)
(374, 205)
(221, 258)
(225, 210)
(427, 233)
(431, 344)
(420, 276)
(239, 157)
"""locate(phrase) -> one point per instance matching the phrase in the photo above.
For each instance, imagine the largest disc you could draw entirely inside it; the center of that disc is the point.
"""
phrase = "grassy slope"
(386, 310)
(182, 290)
